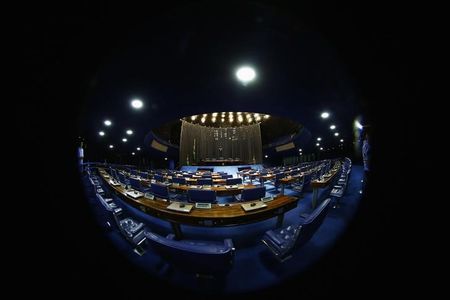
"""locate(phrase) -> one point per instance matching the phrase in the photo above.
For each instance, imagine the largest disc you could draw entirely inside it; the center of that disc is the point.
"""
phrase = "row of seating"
(211, 257)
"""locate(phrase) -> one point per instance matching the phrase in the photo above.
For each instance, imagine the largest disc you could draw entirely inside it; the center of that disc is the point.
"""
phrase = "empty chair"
(136, 184)
(204, 181)
(133, 231)
(282, 242)
(158, 178)
(160, 190)
(179, 180)
(199, 257)
(231, 181)
(252, 194)
(203, 196)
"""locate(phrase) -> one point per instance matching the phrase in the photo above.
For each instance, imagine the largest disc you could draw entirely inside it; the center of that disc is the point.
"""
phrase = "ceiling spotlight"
(133, 153)
(213, 120)
(325, 115)
(266, 156)
(333, 127)
(107, 122)
(129, 132)
(342, 140)
(138, 148)
(321, 148)
(317, 144)
(300, 149)
(124, 140)
(245, 74)
(111, 146)
(101, 133)
(215, 114)
(319, 139)
(165, 158)
(137, 104)
(336, 134)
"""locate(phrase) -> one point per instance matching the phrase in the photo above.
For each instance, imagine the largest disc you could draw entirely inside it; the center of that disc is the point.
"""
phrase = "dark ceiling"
(181, 63)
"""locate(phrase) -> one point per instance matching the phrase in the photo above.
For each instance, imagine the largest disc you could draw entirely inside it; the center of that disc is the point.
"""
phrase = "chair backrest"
(231, 181)
(160, 190)
(204, 181)
(205, 257)
(204, 196)
(135, 184)
(253, 193)
(179, 180)
(159, 178)
(313, 222)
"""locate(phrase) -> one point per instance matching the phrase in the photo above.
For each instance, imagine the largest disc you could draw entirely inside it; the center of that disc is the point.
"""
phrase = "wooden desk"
(319, 184)
(218, 215)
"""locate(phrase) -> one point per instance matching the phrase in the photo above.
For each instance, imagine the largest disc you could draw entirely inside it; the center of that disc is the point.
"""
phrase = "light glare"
(137, 104)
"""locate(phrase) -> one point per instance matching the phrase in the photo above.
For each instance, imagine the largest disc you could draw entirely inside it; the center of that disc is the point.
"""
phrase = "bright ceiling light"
(317, 144)
(333, 127)
(203, 120)
(215, 114)
(266, 156)
(129, 132)
(213, 120)
(138, 148)
(319, 139)
(300, 149)
(325, 115)
(124, 140)
(342, 140)
(133, 153)
(165, 158)
(193, 118)
(336, 134)
(101, 133)
(245, 74)
(223, 120)
(107, 122)
(111, 146)
(321, 148)
(137, 104)
(358, 125)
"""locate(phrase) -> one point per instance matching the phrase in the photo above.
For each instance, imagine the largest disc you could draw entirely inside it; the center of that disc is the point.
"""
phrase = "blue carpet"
(254, 266)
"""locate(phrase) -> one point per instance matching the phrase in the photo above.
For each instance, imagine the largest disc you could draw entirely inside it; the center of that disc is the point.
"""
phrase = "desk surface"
(217, 215)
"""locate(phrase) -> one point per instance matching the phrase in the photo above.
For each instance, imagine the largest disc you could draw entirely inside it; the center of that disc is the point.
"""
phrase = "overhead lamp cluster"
(227, 118)
(326, 115)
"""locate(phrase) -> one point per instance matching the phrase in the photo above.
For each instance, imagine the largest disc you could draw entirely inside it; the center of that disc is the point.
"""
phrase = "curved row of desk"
(217, 215)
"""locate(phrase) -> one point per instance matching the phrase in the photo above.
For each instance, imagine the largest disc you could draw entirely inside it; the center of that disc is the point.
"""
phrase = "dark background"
(384, 47)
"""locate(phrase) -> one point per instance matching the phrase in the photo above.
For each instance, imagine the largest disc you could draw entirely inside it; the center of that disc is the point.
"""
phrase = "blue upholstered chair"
(131, 229)
(158, 178)
(231, 181)
(282, 242)
(160, 190)
(136, 184)
(179, 180)
(204, 181)
(203, 196)
(200, 257)
(252, 194)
